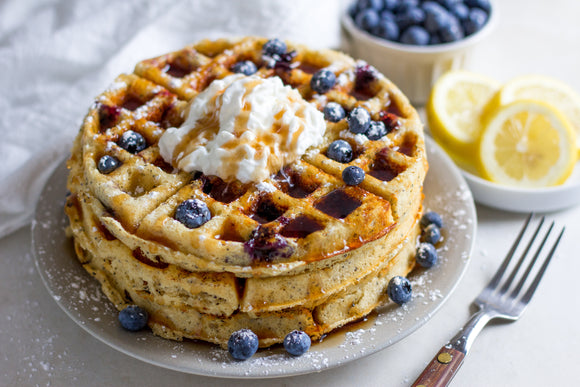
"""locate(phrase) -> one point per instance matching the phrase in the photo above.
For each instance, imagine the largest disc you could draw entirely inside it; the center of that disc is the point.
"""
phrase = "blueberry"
(192, 213)
(404, 5)
(431, 217)
(133, 318)
(415, 35)
(436, 19)
(132, 142)
(367, 19)
(359, 120)
(451, 32)
(460, 11)
(274, 47)
(352, 10)
(431, 234)
(432, 7)
(426, 255)
(297, 343)
(387, 29)
(353, 175)
(107, 164)
(410, 17)
(245, 67)
(390, 5)
(340, 150)
(483, 4)
(377, 5)
(386, 14)
(435, 39)
(475, 21)
(399, 290)
(243, 344)
(377, 130)
(333, 112)
(322, 81)
(448, 3)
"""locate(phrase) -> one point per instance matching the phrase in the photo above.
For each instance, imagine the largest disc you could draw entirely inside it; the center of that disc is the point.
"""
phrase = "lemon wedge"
(527, 144)
(454, 109)
(542, 88)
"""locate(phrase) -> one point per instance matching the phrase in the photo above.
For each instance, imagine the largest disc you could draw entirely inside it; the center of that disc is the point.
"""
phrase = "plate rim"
(434, 152)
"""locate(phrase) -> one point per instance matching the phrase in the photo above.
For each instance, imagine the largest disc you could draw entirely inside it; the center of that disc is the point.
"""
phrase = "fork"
(500, 299)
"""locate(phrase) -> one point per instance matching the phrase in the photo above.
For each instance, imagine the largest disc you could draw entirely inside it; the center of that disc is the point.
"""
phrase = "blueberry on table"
(192, 213)
(431, 217)
(133, 318)
(132, 142)
(353, 175)
(322, 81)
(367, 19)
(431, 234)
(107, 164)
(297, 343)
(399, 290)
(377, 130)
(340, 150)
(333, 112)
(274, 47)
(245, 67)
(426, 255)
(243, 344)
(359, 120)
(475, 21)
(415, 35)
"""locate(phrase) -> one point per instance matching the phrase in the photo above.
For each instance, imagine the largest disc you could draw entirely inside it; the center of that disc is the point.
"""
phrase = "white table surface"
(40, 345)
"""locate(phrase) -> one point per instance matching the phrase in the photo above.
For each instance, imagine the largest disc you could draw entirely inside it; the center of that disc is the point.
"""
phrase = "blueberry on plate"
(359, 120)
(377, 130)
(243, 344)
(483, 4)
(245, 67)
(475, 21)
(274, 47)
(431, 234)
(399, 290)
(192, 213)
(387, 29)
(322, 81)
(367, 19)
(415, 35)
(340, 150)
(353, 175)
(426, 255)
(107, 164)
(333, 112)
(431, 217)
(132, 142)
(133, 318)
(297, 343)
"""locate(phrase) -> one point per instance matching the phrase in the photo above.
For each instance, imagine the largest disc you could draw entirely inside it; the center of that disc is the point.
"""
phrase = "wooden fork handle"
(441, 369)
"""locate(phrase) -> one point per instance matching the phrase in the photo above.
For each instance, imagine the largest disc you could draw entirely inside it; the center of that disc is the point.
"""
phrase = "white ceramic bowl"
(413, 69)
(525, 200)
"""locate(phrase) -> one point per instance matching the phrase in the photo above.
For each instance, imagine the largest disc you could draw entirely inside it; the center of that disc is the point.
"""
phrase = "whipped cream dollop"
(243, 128)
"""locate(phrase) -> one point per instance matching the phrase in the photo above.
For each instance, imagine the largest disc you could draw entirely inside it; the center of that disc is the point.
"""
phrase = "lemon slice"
(527, 144)
(454, 109)
(542, 88)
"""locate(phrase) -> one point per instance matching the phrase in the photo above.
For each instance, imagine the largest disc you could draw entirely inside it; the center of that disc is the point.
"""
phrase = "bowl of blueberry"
(413, 42)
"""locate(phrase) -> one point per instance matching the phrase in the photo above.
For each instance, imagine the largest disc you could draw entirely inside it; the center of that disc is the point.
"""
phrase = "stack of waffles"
(342, 244)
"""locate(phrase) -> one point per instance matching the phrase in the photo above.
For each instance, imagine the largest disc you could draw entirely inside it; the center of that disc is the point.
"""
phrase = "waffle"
(342, 244)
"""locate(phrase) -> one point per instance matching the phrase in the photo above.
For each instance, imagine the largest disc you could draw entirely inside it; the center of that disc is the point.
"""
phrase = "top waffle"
(300, 218)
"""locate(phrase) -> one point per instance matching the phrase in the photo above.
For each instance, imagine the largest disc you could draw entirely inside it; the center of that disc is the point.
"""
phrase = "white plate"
(79, 295)
(526, 200)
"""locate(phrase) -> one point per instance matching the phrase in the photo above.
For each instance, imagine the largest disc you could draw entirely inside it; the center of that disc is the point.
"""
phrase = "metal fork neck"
(463, 340)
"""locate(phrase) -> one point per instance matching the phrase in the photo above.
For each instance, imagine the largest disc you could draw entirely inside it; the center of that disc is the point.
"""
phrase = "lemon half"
(454, 110)
(542, 88)
(527, 144)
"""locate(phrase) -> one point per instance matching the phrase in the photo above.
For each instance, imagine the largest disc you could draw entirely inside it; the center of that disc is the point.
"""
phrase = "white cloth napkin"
(56, 56)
